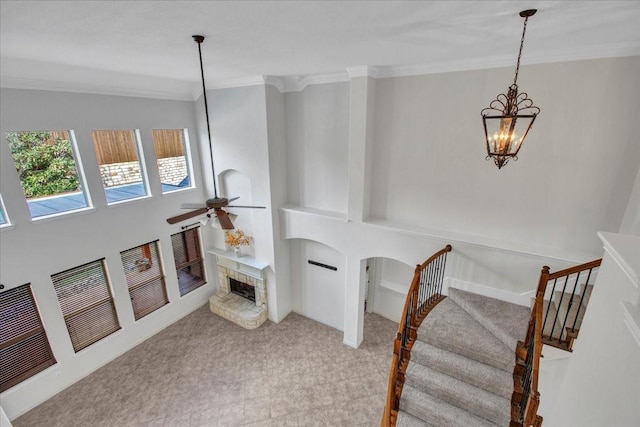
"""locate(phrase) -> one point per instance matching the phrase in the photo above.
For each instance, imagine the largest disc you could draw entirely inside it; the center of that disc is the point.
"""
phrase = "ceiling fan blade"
(233, 198)
(223, 218)
(250, 207)
(185, 216)
(191, 206)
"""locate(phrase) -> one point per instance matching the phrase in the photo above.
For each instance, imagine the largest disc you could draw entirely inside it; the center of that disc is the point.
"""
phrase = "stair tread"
(549, 329)
(505, 320)
(405, 419)
(436, 412)
(570, 306)
(468, 370)
(475, 400)
(450, 327)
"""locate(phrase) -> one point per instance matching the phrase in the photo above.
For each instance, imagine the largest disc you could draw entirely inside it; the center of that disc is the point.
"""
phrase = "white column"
(354, 302)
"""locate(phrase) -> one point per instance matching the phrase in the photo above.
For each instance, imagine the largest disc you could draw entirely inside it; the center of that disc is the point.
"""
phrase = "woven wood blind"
(114, 146)
(86, 302)
(187, 255)
(24, 347)
(168, 142)
(145, 279)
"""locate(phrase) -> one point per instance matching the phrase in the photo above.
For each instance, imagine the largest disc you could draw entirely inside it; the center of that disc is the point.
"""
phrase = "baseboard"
(523, 299)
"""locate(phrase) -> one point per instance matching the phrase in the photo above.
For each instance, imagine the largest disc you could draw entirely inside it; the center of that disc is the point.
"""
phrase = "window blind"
(188, 258)
(86, 302)
(24, 347)
(145, 278)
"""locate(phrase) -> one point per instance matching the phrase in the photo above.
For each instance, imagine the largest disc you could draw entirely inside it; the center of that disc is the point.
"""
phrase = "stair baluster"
(424, 293)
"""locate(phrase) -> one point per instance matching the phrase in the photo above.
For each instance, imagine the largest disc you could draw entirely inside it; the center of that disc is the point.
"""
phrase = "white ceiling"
(145, 47)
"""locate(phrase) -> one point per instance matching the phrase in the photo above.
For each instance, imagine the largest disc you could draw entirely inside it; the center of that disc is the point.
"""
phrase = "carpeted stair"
(461, 368)
(563, 305)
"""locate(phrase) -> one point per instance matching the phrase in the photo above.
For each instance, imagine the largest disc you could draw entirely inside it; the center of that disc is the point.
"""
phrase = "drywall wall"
(276, 133)
(418, 180)
(631, 219)
(241, 142)
(602, 381)
(317, 126)
(31, 251)
(572, 179)
(392, 280)
(318, 292)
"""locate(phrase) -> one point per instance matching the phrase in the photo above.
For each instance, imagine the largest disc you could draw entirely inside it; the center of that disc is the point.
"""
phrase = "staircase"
(469, 360)
(462, 362)
(567, 294)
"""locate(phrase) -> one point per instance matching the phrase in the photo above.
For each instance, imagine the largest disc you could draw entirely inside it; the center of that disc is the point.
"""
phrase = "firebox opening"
(242, 289)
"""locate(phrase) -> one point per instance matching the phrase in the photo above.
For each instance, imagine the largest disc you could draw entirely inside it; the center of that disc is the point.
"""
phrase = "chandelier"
(509, 117)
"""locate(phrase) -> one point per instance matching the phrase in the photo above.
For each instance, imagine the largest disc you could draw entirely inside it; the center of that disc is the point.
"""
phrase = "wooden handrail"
(573, 270)
(423, 294)
(526, 396)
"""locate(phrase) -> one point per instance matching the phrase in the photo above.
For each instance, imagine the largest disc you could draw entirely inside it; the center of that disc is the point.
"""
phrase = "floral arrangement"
(237, 238)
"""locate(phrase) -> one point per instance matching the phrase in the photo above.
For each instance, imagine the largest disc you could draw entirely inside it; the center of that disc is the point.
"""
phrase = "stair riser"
(479, 402)
(464, 369)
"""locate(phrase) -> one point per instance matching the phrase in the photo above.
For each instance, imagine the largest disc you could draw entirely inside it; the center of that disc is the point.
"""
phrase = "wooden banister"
(526, 396)
(424, 293)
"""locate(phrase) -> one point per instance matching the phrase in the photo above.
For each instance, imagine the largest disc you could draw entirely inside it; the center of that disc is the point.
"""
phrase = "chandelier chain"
(524, 30)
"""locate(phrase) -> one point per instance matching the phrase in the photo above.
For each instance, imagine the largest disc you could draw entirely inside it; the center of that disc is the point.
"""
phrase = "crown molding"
(364, 71)
(60, 86)
(298, 83)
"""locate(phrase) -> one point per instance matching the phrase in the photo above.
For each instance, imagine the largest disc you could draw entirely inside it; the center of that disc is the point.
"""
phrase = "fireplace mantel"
(244, 264)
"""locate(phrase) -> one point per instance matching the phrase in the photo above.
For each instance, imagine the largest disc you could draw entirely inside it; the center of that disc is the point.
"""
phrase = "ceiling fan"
(216, 203)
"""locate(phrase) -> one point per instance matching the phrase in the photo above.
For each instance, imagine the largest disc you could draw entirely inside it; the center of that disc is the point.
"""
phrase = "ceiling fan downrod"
(199, 39)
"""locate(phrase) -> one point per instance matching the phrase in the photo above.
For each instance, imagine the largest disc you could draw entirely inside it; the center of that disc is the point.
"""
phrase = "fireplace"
(242, 289)
(242, 294)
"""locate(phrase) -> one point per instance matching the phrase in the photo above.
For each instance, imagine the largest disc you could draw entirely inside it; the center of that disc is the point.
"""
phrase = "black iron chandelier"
(509, 117)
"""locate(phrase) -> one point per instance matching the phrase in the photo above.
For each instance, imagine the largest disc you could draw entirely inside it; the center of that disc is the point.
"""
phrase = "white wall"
(418, 180)
(247, 131)
(31, 251)
(631, 220)
(574, 174)
(390, 287)
(318, 293)
(602, 381)
(317, 124)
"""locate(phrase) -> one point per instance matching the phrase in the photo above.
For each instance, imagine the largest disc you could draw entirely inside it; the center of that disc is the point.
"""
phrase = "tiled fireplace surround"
(233, 307)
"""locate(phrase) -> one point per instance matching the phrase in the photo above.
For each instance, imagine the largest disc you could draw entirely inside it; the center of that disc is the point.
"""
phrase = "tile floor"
(206, 371)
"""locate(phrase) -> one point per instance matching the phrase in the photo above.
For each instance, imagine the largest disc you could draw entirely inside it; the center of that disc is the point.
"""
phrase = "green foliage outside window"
(44, 162)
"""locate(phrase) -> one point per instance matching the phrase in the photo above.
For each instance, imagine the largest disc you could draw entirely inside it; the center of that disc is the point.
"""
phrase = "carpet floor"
(206, 371)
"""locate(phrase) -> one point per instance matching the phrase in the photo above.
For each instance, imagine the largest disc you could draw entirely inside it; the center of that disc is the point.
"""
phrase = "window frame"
(147, 282)
(144, 176)
(188, 263)
(82, 180)
(25, 336)
(5, 215)
(76, 339)
(186, 145)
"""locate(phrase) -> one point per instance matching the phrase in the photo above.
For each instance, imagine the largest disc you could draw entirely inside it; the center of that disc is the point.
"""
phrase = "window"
(172, 152)
(24, 347)
(49, 171)
(86, 302)
(144, 278)
(188, 258)
(4, 219)
(119, 158)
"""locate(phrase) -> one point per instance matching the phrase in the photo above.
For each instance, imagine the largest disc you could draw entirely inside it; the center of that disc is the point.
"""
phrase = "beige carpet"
(461, 368)
(206, 371)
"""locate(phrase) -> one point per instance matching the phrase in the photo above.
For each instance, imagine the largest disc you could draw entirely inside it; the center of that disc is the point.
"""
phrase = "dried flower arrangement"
(237, 238)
